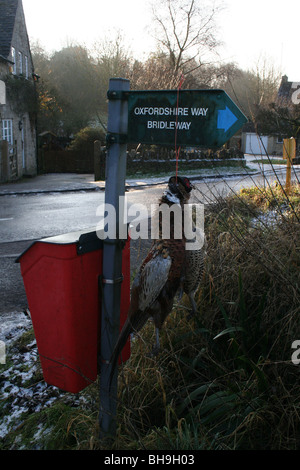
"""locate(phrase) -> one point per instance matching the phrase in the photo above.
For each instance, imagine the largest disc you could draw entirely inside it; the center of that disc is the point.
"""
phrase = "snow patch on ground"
(13, 325)
(19, 394)
(271, 218)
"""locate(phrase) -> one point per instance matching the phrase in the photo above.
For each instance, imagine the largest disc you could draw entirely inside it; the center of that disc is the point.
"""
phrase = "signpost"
(112, 256)
(205, 118)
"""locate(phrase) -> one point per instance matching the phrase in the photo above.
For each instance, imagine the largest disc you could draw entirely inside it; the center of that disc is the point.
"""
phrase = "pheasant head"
(178, 192)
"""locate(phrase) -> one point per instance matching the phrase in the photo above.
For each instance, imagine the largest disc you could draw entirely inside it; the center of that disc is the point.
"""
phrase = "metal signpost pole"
(112, 252)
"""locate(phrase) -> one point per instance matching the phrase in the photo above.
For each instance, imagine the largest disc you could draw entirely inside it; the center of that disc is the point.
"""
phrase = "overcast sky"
(249, 29)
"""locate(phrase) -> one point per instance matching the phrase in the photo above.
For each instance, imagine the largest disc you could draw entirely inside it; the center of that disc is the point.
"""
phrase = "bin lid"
(85, 240)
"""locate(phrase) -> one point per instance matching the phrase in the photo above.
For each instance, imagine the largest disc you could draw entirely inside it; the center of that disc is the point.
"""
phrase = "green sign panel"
(204, 118)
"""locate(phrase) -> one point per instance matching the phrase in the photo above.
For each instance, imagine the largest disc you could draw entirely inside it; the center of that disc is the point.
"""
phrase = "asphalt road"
(25, 218)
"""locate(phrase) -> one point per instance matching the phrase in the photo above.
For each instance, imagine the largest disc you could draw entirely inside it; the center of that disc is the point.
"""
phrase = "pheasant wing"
(153, 277)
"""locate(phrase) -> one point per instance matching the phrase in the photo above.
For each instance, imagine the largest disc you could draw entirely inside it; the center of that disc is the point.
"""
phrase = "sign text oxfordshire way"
(204, 118)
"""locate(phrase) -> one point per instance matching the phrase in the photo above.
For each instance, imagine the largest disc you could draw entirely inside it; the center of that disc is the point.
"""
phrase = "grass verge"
(224, 379)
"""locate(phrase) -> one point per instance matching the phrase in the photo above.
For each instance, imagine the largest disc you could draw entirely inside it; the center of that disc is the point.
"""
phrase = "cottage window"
(13, 58)
(7, 130)
(20, 63)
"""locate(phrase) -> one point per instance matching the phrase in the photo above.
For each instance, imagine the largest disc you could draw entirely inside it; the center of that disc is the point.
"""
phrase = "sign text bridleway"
(204, 118)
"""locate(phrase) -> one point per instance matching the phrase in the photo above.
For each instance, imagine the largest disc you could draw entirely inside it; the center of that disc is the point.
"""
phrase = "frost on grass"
(271, 218)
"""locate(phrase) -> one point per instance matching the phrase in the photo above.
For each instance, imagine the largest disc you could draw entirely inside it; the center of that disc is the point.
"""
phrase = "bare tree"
(266, 82)
(254, 89)
(155, 73)
(186, 31)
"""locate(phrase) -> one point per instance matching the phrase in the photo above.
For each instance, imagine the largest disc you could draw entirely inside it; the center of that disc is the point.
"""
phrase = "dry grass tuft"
(225, 379)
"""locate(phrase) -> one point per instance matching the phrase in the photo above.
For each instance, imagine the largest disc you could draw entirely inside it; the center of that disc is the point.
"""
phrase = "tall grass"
(225, 379)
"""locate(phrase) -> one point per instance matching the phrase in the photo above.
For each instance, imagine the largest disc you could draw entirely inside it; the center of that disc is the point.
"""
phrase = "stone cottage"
(18, 103)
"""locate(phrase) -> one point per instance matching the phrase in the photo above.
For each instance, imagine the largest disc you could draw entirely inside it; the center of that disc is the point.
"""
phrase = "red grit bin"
(62, 279)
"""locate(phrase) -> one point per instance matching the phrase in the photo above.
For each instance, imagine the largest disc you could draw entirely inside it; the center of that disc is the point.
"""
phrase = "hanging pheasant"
(166, 268)
(194, 260)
